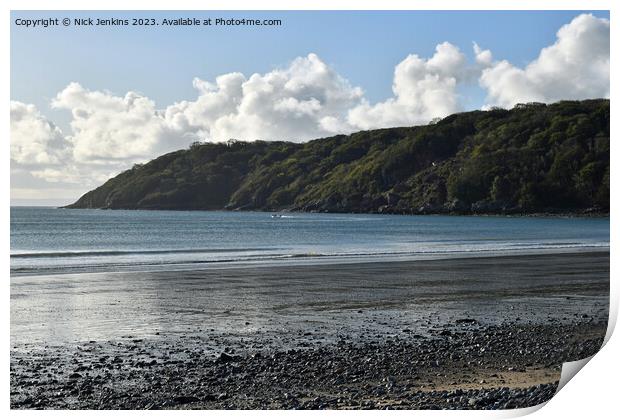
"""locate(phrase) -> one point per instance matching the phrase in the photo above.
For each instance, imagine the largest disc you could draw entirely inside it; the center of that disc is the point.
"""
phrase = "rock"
(457, 206)
(466, 321)
(186, 399)
(225, 358)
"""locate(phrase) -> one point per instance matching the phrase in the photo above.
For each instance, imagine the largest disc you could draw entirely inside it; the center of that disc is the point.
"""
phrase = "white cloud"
(284, 104)
(576, 66)
(40, 149)
(34, 139)
(112, 128)
(423, 89)
(214, 101)
(483, 57)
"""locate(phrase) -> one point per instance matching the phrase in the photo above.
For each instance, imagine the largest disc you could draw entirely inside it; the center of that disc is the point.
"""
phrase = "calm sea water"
(45, 240)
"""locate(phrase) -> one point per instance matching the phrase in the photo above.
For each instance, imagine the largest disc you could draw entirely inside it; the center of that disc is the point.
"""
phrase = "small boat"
(276, 216)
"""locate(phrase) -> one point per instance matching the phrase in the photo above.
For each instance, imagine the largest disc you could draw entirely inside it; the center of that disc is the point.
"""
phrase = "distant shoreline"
(565, 214)
(541, 214)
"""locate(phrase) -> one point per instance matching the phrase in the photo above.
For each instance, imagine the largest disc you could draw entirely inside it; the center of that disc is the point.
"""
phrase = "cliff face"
(533, 158)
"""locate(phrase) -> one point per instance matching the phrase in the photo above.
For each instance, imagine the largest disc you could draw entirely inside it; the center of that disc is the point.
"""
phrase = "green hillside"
(533, 158)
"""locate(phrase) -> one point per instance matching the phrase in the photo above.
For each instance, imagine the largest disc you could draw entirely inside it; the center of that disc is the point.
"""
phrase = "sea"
(47, 240)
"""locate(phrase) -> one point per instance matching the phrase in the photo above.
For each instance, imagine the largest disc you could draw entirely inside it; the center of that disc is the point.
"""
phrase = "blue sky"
(160, 62)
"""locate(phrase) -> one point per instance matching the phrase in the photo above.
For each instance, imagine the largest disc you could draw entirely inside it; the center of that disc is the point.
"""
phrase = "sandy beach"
(486, 332)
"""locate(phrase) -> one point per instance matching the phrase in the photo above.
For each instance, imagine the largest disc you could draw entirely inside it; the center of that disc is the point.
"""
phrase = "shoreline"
(584, 213)
(486, 333)
(309, 260)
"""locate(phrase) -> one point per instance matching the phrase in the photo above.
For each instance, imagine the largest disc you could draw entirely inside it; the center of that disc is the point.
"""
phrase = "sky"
(89, 102)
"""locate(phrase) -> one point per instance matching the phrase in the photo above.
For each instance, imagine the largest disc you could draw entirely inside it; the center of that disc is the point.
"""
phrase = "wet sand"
(463, 333)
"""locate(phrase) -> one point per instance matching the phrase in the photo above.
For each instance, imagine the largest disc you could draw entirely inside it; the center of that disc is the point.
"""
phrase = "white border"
(591, 394)
(311, 5)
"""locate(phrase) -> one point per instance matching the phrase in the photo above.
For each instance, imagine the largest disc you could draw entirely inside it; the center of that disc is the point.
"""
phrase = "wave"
(104, 253)
(462, 248)
(111, 266)
(511, 247)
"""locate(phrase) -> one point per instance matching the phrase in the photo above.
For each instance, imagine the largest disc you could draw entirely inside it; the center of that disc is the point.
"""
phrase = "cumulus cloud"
(215, 100)
(576, 66)
(294, 103)
(106, 127)
(423, 89)
(483, 57)
(34, 139)
(39, 148)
